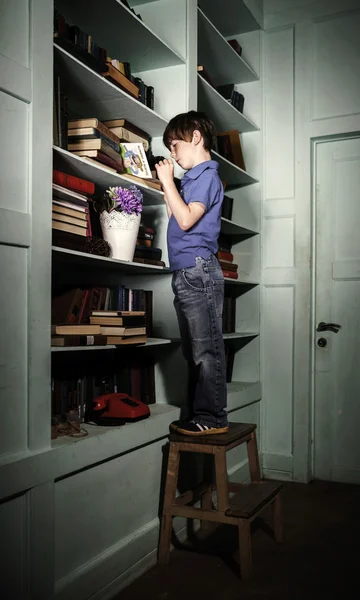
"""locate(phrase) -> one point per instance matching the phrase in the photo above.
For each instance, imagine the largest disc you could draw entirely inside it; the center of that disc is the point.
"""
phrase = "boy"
(197, 281)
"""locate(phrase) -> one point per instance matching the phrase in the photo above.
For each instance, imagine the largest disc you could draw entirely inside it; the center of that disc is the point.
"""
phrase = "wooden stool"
(246, 503)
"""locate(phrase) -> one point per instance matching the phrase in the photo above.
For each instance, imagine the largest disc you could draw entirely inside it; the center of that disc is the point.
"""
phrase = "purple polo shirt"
(199, 184)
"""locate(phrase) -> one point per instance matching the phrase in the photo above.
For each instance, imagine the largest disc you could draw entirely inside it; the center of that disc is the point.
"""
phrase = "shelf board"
(218, 57)
(222, 113)
(150, 342)
(114, 27)
(67, 256)
(237, 335)
(98, 174)
(231, 17)
(242, 393)
(230, 228)
(123, 438)
(232, 174)
(134, 3)
(92, 95)
(229, 281)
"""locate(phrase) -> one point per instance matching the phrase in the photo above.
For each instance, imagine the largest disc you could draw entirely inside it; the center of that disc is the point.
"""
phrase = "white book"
(134, 160)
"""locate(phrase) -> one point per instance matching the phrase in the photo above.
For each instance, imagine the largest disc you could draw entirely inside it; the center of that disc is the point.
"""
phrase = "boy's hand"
(165, 171)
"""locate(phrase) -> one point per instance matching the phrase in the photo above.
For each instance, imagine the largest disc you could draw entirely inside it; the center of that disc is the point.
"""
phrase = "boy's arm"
(168, 209)
(186, 215)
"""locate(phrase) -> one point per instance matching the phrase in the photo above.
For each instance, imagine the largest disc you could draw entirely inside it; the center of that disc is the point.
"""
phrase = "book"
(76, 211)
(90, 133)
(227, 208)
(225, 256)
(228, 266)
(229, 146)
(71, 182)
(149, 182)
(114, 330)
(69, 219)
(118, 313)
(235, 45)
(126, 135)
(96, 144)
(120, 341)
(75, 330)
(71, 241)
(61, 193)
(129, 321)
(230, 274)
(129, 126)
(94, 124)
(205, 75)
(69, 228)
(65, 307)
(120, 80)
(134, 160)
(98, 156)
(78, 340)
(97, 162)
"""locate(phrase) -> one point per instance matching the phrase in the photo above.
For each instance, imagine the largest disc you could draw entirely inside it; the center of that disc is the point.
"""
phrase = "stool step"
(236, 431)
(251, 497)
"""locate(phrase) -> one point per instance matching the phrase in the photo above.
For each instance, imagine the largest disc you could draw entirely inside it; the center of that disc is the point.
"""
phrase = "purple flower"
(125, 200)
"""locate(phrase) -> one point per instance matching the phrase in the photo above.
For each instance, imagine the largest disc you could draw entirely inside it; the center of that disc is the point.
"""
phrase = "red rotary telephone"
(117, 409)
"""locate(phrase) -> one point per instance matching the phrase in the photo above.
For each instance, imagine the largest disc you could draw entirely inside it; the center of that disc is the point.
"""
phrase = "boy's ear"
(197, 137)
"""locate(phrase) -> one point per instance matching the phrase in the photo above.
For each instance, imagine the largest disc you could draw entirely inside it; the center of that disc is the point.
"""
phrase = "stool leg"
(206, 499)
(277, 519)
(253, 457)
(244, 549)
(206, 504)
(221, 476)
(169, 500)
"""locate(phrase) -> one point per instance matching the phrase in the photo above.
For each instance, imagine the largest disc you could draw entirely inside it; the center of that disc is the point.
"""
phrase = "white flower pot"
(120, 230)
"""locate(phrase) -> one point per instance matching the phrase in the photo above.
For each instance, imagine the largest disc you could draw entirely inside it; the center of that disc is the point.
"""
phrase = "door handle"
(328, 327)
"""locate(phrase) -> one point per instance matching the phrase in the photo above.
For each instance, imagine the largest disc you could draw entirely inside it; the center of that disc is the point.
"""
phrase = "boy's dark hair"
(183, 126)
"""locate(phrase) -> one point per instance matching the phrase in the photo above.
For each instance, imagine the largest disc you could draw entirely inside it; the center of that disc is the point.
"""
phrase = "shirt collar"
(195, 172)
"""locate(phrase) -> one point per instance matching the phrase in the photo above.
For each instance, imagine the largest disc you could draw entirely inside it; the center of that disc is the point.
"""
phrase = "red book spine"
(74, 183)
(226, 256)
(230, 274)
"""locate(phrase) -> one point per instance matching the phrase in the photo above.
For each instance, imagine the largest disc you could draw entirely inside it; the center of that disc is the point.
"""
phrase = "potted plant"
(120, 213)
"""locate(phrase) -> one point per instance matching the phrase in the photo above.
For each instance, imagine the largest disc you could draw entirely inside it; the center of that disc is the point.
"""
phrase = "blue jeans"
(199, 299)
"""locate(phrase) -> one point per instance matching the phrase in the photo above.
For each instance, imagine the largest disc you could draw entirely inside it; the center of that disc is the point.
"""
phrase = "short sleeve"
(206, 189)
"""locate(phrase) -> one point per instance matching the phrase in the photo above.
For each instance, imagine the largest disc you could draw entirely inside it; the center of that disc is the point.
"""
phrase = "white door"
(337, 301)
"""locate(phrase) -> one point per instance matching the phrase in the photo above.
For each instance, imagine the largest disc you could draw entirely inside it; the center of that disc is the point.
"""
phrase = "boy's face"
(183, 153)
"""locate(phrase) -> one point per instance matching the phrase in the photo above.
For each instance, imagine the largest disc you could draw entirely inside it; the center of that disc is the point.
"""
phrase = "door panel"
(337, 365)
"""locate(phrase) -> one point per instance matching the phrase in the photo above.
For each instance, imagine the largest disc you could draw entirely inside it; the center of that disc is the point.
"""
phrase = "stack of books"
(70, 209)
(145, 251)
(106, 328)
(229, 268)
(92, 140)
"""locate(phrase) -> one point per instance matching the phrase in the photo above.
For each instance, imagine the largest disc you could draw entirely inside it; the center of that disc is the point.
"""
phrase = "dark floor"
(319, 558)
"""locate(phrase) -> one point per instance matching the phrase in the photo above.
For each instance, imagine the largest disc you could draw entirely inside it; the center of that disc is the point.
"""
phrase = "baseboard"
(278, 475)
